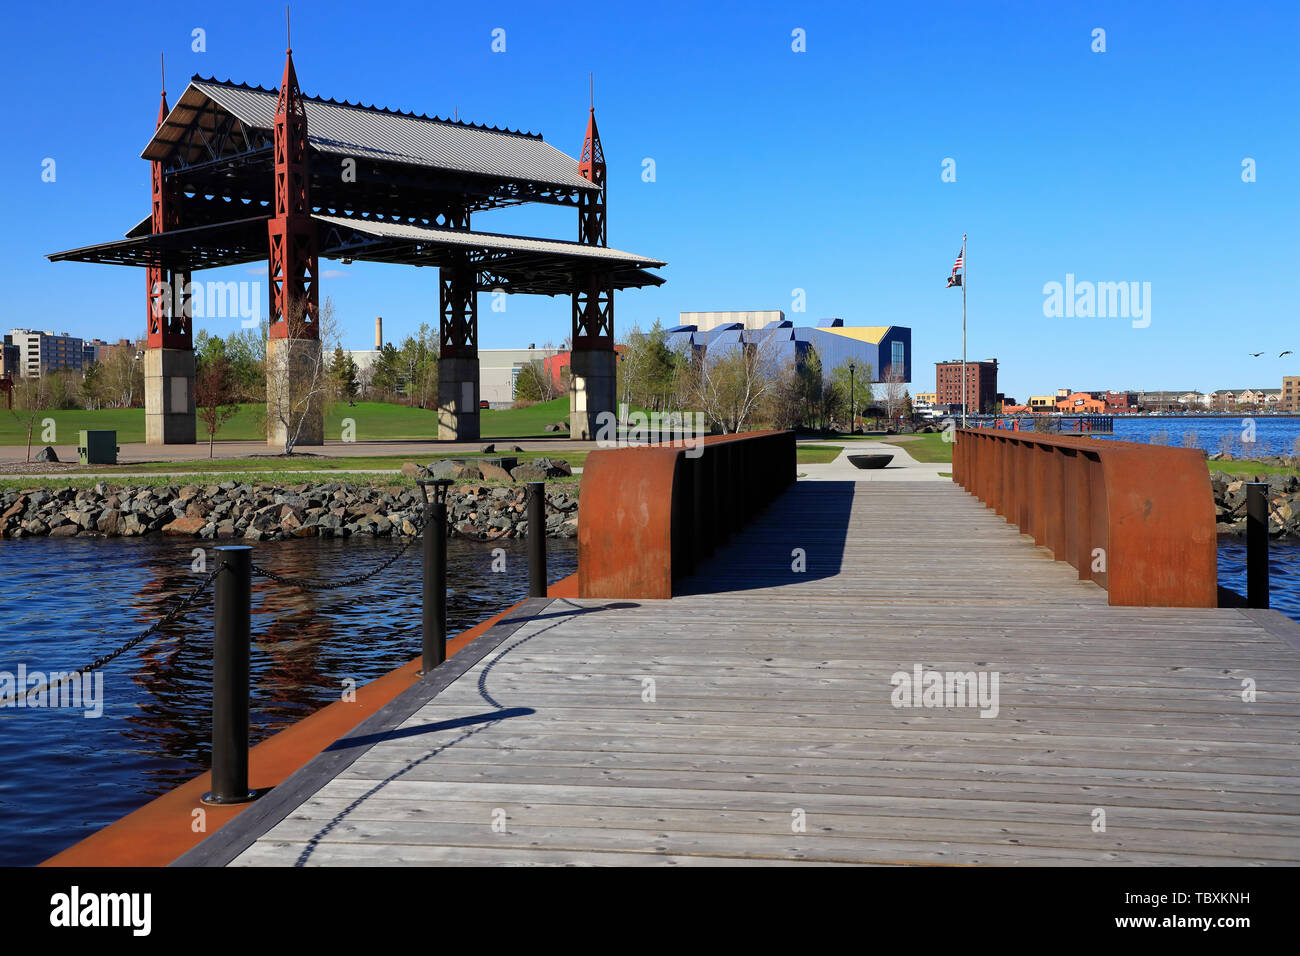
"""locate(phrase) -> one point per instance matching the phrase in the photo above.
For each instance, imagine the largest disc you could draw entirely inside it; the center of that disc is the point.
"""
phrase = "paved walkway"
(903, 468)
(135, 453)
(753, 720)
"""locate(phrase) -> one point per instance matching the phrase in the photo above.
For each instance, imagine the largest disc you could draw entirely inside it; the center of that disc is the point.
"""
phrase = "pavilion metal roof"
(496, 242)
(372, 132)
(517, 264)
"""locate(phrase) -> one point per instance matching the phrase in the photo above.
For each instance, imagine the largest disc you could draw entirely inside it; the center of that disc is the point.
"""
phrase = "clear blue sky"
(776, 170)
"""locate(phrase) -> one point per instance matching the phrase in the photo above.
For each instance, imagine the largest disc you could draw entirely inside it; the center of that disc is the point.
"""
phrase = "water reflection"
(68, 601)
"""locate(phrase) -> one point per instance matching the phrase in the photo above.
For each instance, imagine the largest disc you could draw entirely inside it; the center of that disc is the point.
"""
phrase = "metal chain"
(343, 582)
(99, 662)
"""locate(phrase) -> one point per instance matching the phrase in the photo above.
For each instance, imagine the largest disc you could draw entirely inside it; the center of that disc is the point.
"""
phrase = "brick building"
(981, 385)
(1290, 400)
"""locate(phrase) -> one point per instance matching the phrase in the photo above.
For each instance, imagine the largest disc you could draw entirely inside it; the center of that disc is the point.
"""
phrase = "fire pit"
(870, 461)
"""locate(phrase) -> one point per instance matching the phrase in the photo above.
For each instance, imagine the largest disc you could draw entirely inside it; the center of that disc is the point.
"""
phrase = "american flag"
(958, 266)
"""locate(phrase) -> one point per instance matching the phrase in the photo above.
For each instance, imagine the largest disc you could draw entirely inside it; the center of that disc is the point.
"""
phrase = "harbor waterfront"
(63, 776)
(1274, 434)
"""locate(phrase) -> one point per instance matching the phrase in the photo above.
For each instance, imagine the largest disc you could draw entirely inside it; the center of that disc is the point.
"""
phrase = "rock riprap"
(258, 512)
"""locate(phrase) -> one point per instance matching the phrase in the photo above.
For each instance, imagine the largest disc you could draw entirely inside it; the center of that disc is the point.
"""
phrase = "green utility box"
(98, 448)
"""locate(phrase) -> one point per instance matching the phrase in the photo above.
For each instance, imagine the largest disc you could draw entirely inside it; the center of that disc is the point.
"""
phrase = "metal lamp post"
(853, 411)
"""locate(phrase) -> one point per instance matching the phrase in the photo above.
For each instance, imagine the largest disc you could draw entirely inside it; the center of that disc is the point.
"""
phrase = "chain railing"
(343, 582)
(100, 661)
(232, 616)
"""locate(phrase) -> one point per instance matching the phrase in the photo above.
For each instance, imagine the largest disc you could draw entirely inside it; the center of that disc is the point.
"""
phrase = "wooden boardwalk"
(772, 710)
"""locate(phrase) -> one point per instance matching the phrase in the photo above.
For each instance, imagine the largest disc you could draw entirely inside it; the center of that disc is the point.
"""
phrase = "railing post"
(434, 591)
(232, 598)
(1257, 544)
(537, 539)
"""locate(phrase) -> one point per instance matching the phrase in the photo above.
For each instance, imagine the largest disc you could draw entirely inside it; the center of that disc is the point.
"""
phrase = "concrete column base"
(296, 391)
(458, 418)
(592, 390)
(169, 397)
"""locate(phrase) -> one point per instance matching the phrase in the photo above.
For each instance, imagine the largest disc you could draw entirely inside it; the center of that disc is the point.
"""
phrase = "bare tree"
(32, 396)
(729, 383)
(298, 382)
(124, 373)
(894, 392)
(535, 382)
(215, 396)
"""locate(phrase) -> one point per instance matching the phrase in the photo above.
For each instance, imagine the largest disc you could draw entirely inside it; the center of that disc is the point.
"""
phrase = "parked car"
(484, 403)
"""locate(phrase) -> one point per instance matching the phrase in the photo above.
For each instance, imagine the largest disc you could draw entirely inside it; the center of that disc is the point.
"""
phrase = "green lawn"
(301, 463)
(1247, 468)
(522, 422)
(930, 447)
(816, 454)
(10, 482)
(374, 421)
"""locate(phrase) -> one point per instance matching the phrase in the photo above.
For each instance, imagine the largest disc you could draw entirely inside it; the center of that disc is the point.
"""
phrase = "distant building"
(1042, 403)
(97, 350)
(11, 361)
(924, 399)
(1290, 394)
(886, 350)
(981, 384)
(708, 321)
(1080, 403)
(498, 372)
(44, 351)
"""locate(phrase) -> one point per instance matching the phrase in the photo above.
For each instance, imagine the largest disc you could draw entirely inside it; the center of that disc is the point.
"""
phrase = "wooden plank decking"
(772, 700)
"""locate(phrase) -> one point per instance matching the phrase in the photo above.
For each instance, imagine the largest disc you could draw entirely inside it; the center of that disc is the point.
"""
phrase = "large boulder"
(443, 468)
(529, 471)
(412, 470)
(46, 454)
(490, 472)
(185, 526)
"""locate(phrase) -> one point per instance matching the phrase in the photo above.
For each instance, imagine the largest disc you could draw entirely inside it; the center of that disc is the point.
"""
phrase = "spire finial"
(162, 71)
(592, 77)
(288, 41)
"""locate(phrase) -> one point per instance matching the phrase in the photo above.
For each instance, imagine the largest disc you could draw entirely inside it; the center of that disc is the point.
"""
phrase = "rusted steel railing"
(1137, 519)
(649, 515)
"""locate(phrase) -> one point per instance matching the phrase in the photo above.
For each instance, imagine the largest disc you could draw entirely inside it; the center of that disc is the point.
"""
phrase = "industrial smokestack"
(379, 332)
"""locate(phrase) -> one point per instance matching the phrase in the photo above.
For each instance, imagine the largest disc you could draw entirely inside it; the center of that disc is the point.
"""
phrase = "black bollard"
(434, 593)
(232, 597)
(537, 539)
(1256, 544)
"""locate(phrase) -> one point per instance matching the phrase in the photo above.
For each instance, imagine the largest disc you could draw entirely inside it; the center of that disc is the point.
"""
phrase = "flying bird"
(1256, 354)
(1287, 352)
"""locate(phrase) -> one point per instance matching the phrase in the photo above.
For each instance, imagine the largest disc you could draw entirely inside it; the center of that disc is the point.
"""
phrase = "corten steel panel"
(625, 523)
(1083, 498)
(635, 508)
(1055, 505)
(1099, 523)
(1149, 509)
(1025, 486)
(1007, 475)
(1069, 552)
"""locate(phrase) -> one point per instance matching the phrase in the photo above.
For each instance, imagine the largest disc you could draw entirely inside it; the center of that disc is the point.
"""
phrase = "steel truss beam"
(458, 309)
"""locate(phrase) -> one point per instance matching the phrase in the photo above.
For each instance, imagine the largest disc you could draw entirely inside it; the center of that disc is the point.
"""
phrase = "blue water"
(63, 776)
(1274, 434)
(1284, 572)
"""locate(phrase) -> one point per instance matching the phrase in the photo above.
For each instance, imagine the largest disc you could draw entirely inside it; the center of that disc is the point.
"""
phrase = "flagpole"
(964, 273)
